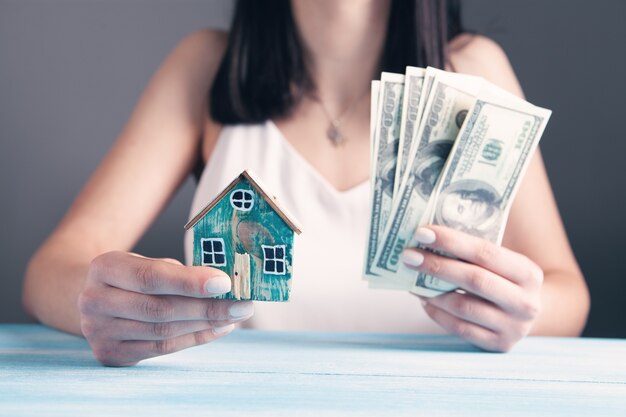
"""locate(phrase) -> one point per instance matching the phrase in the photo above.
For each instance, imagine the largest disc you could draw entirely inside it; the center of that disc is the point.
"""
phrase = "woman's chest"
(344, 163)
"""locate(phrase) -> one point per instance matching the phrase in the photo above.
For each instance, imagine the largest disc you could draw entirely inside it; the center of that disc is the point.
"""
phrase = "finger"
(472, 278)
(130, 352)
(170, 260)
(473, 333)
(158, 277)
(157, 309)
(472, 309)
(223, 323)
(124, 329)
(502, 261)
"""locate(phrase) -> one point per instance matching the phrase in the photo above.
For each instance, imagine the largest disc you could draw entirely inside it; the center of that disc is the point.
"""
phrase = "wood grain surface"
(47, 373)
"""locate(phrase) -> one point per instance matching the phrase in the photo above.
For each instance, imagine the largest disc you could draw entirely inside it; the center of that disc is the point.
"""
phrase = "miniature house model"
(245, 233)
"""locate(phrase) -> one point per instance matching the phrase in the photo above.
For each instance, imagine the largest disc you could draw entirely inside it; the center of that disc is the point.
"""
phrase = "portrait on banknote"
(471, 206)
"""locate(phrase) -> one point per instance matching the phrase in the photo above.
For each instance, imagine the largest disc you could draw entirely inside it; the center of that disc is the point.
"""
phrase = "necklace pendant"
(334, 135)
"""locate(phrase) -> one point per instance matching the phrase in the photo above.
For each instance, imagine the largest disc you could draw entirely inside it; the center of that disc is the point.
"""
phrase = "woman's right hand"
(133, 308)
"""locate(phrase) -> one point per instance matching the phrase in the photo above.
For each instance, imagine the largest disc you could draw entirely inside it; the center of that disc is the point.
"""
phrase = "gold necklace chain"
(333, 132)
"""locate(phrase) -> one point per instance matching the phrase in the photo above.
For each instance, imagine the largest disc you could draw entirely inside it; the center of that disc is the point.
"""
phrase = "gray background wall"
(71, 71)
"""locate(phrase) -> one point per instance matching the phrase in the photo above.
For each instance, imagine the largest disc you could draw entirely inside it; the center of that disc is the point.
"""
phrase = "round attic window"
(242, 200)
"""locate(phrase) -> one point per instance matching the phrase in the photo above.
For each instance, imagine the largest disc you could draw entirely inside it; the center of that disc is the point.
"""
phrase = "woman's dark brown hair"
(263, 72)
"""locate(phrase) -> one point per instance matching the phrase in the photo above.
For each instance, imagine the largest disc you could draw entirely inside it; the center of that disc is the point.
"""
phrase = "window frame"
(242, 200)
(213, 253)
(283, 260)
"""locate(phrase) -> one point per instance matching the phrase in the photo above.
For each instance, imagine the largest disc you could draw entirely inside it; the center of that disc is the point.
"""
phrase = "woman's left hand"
(502, 288)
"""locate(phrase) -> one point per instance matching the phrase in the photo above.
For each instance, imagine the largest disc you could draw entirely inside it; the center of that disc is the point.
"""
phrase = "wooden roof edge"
(191, 223)
(273, 201)
(254, 181)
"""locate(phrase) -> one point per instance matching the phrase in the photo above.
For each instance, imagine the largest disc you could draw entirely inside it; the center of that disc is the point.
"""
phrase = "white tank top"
(327, 292)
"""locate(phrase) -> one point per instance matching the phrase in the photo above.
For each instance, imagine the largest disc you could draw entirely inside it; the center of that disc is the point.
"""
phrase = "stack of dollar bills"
(447, 149)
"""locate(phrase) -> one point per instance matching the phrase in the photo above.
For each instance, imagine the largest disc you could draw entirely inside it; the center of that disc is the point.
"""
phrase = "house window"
(274, 260)
(213, 253)
(242, 200)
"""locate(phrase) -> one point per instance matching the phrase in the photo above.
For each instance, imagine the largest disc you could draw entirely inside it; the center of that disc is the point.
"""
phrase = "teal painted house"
(245, 233)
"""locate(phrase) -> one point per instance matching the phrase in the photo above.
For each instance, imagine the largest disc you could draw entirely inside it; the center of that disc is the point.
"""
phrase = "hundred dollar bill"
(374, 99)
(413, 83)
(373, 281)
(383, 167)
(427, 84)
(373, 123)
(429, 78)
(451, 97)
(481, 177)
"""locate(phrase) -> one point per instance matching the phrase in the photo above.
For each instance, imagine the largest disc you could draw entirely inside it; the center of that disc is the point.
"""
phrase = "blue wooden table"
(47, 373)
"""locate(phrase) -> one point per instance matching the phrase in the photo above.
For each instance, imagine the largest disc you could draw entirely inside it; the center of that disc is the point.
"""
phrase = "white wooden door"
(241, 277)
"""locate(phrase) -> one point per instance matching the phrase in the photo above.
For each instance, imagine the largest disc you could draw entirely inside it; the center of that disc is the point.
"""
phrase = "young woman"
(262, 97)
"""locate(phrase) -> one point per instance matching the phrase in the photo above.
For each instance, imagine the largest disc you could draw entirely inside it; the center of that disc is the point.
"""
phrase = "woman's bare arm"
(151, 158)
(535, 228)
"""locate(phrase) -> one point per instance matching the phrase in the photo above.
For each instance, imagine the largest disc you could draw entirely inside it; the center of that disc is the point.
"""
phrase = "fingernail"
(425, 236)
(412, 258)
(218, 284)
(241, 309)
(224, 329)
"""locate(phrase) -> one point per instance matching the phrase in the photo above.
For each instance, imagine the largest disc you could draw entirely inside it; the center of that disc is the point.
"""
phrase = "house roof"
(271, 200)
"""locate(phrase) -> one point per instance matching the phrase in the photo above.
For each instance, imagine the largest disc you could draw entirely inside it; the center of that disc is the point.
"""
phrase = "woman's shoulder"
(475, 51)
(199, 55)
(479, 55)
(189, 68)
(205, 40)
(202, 50)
